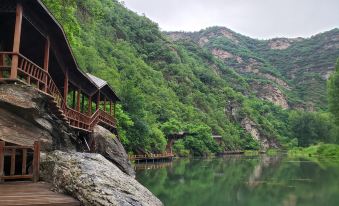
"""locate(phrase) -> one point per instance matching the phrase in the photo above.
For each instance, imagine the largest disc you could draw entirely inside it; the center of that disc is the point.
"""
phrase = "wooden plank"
(24, 193)
(24, 161)
(15, 177)
(16, 42)
(2, 154)
(12, 172)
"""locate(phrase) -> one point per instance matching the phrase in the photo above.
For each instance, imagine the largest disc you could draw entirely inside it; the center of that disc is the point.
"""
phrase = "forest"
(170, 86)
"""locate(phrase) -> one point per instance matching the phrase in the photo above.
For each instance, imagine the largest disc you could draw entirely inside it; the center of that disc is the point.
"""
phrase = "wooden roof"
(104, 87)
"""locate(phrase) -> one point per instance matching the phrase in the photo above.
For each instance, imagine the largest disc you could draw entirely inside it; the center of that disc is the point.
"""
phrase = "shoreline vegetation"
(318, 150)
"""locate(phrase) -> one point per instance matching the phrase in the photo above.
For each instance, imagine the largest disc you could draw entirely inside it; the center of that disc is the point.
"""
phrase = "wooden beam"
(89, 105)
(78, 100)
(46, 60)
(66, 87)
(36, 161)
(16, 42)
(2, 156)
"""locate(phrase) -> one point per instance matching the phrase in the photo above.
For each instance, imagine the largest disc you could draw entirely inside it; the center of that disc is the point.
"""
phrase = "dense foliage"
(166, 87)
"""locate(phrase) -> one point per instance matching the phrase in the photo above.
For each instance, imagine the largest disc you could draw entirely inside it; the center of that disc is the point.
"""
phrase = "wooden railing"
(151, 156)
(26, 172)
(33, 75)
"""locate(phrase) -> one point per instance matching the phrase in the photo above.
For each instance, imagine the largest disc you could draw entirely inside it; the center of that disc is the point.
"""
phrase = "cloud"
(255, 18)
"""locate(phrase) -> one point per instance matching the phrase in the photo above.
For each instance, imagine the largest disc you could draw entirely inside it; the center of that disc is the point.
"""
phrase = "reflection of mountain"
(233, 180)
(265, 162)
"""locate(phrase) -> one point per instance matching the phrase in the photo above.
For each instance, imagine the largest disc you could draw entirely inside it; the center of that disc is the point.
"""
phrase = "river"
(243, 180)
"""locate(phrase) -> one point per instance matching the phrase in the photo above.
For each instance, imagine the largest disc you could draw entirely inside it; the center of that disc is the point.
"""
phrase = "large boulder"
(109, 146)
(94, 180)
(26, 117)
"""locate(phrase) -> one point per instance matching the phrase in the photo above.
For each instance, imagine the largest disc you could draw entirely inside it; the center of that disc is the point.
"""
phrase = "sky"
(261, 19)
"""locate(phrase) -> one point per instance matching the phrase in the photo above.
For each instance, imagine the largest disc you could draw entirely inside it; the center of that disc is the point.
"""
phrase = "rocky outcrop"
(109, 146)
(268, 92)
(94, 180)
(233, 111)
(25, 118)
(282, 43)
(252, 128)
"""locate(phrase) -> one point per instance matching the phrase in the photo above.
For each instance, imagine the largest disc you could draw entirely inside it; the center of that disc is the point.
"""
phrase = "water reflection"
(240, 180)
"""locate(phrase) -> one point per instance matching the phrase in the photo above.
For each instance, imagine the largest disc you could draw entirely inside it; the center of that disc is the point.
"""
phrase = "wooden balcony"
(31, 74)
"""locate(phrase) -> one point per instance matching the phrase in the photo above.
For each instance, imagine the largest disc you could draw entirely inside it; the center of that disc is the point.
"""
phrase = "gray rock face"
(25, 118)
(94, 180)
(109, 146)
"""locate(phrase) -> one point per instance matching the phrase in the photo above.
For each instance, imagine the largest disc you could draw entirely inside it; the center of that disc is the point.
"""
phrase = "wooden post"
(114, 108)
(13, 154)
(16, 42)
(36, 161)
(46, 61)
(110, 107)
(24, 161)
(1, 64)
(89, 105)
(98, 101)
(73, 103)
(66, 87)
(2, 156)
(78, 100)
(82, 103)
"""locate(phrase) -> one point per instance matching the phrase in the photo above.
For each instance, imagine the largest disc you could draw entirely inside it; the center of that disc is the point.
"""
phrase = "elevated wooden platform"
(151, 157)
(28, 193)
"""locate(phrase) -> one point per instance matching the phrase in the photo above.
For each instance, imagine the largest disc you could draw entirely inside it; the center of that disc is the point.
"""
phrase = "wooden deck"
(28, 193)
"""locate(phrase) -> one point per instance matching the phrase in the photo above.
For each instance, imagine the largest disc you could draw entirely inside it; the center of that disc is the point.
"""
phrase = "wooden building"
(34, 50)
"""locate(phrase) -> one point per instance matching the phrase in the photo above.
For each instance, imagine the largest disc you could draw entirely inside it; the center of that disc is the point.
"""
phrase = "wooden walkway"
(28, 193)
(151, 157)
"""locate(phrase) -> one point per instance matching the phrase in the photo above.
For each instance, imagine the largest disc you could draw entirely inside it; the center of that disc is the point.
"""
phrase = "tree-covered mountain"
(169, 86)
(289, 72)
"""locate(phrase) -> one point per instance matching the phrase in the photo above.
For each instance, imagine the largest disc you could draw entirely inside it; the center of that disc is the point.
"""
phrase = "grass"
(322, 150)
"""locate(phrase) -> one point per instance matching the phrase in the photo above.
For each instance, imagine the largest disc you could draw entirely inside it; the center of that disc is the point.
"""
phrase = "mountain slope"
(167, 86)
(297, 67)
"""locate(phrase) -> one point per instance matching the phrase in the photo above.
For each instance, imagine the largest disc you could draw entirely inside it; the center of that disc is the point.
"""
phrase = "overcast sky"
(255, 18)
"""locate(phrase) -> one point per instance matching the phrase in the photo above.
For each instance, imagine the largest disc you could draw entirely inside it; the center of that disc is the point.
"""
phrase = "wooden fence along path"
(19, 157)
(151, 157)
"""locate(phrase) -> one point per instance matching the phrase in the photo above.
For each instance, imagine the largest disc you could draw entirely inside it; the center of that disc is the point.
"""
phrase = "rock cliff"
(26, 117)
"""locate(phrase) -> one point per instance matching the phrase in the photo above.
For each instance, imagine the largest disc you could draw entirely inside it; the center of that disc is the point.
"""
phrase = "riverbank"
(321, 150)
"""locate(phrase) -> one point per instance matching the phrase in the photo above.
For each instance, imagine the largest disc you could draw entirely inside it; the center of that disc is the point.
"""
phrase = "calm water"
(240, 180)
